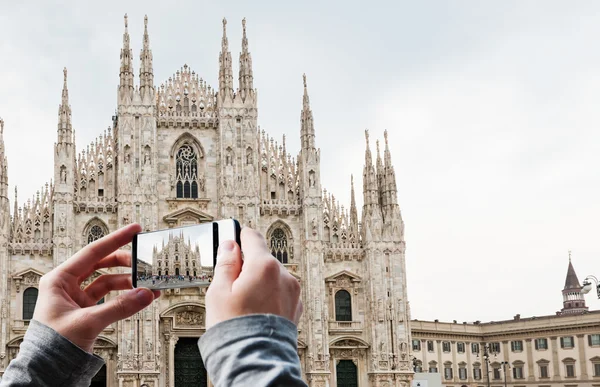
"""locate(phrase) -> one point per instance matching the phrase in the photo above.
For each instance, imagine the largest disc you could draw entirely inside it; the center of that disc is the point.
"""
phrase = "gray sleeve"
(254, 350)
(48, 359)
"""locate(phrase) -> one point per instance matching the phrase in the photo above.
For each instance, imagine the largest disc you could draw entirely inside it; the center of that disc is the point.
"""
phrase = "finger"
(121, 307)
(105, 284)
(229, 265)
(299, 310)
(91, 254)
(255, 245)
(119, 258)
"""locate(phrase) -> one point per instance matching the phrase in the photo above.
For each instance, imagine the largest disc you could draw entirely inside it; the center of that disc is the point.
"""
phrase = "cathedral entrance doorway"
(189, 368)
(100, 379)
(346, 374)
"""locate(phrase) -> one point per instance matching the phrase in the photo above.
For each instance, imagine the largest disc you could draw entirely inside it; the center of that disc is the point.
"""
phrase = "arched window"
(186, 167)
(343, 306)
(96, 232)
(279, 245)
(346, 374)
(30, 296)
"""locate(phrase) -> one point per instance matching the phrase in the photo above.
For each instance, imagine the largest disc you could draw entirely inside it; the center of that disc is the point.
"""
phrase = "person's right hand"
(263, 287)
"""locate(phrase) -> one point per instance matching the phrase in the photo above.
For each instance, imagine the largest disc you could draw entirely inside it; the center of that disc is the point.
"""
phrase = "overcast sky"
(491, 111)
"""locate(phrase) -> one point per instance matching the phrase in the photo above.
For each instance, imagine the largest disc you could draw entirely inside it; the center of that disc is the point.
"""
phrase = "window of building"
(446, 346)
(416, 345)
(343, 306)
(460, 347)
(497, 372)
(30, 296)
(597, 369)
(279, 245)
(95, 232)
(517, 368)
(477, 372)
(543, 371)
(516, 346)
(430, 346)
(474, 347)
(495, 347)
(433, 367)
(594, 340)
(448, 371)
(518, 372)
(541, 344)
(462, 373)
(418, 366)
(570, 368)
(186, 172)
(567, 342)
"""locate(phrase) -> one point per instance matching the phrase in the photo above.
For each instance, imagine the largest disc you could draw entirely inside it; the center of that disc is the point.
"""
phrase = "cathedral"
(182, 153)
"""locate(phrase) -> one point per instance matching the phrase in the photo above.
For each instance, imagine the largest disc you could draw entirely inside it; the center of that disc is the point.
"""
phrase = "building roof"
(572, 282)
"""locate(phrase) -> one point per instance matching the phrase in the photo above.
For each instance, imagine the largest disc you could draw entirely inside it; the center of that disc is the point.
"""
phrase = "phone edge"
(134, 261)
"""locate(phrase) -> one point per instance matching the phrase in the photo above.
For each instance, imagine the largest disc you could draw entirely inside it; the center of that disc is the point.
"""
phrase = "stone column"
(555, 361)
(506, 349)
(455, 377)
(440, 366)
(470, 376)
(172, 344)
(530, 367)
(424, 350)
(582, 356)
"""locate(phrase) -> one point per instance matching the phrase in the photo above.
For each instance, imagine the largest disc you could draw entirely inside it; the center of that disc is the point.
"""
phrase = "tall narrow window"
(279, 245)
(186, 167)
(30, 296)
(343, 306)
(96, 232)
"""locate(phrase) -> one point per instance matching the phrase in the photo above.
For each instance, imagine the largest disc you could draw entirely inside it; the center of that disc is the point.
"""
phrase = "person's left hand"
(72, 312)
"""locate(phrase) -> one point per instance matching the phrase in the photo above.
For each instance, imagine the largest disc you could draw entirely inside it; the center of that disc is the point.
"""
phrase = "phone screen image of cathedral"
(175, 258)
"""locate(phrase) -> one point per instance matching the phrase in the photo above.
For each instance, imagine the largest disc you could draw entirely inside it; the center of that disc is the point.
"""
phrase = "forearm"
(48, 359)
(257, 350)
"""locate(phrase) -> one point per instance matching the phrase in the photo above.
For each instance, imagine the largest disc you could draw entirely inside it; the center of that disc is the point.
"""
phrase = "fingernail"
(143, 296)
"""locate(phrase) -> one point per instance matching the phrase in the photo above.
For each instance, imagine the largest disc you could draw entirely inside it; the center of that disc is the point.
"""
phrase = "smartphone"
(181, 257)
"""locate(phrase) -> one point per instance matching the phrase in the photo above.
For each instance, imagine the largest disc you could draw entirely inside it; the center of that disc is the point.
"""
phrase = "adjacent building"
(558, 350)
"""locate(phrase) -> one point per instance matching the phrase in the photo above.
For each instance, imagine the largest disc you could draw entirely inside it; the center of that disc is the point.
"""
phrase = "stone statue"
(63, 174)
(311, 179)
(147, 157)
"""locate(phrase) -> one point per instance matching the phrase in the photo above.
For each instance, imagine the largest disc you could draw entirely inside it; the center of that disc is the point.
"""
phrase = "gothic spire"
(370, 189)
(126, 72)
(225, 72)
(390, 191)
(65, 131)
(246, 80)
(307, 130)
(146, 71)
(353, 211)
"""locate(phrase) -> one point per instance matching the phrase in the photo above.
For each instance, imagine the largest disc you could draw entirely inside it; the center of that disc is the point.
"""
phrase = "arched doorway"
(189, 368)
(346, 374)
(100, 379)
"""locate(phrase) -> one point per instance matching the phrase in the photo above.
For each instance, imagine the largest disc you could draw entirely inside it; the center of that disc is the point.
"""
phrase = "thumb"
(229, 264)
(123, 306)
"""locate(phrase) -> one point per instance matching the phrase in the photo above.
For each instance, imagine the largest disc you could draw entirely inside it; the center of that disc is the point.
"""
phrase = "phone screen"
(180, 257)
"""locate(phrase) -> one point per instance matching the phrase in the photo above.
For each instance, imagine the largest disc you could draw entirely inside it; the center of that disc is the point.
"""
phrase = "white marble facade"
(182, 153)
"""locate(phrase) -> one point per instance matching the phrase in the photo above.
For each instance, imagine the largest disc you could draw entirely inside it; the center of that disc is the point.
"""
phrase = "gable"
(187, 215)
(344, 278)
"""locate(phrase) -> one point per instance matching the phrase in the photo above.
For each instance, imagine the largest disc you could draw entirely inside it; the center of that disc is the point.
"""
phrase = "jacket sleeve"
(254, 350)
(48, 359)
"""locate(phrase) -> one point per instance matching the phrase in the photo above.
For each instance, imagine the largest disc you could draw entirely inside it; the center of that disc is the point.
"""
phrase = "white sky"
(491, 110)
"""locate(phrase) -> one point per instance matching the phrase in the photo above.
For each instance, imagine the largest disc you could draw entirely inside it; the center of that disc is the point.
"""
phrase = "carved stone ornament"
(189, 318)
